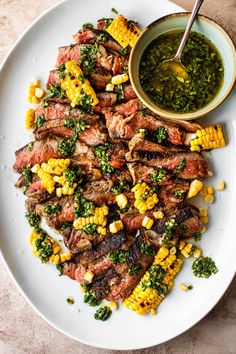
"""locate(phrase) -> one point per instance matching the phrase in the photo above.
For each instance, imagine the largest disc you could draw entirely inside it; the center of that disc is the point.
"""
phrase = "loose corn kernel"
(56, 259)
(35, 100)
(88, 276)
(29, 118)
(194, 188)
(121, 201)
(109, 87)
(116, 226)
(197, 253)
(187, 250)
(185, 287)
(209, 190)
(204, 219)
(221, 186)
(39, 92)
(203, 211)
(182, 245)
(147, 222)
(59, 192)
(203, 191)
(203, 230)
(119, 79)
(102, 230)
(123, 31)
(76, 88)
(113, 305)
(35, 82)
(209, 198)
(158, 214)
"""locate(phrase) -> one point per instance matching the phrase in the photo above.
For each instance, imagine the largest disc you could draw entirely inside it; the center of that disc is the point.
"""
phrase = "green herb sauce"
(204, 267)
(171, 91)
(52, 209)
(103, 313)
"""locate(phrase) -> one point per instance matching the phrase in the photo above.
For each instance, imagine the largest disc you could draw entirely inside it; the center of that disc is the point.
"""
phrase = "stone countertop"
(21, 329)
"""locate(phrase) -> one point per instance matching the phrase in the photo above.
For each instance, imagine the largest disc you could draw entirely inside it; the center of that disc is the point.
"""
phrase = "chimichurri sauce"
(171, 91)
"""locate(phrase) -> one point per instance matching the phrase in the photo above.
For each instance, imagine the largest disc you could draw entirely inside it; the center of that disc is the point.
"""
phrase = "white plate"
(34, 55)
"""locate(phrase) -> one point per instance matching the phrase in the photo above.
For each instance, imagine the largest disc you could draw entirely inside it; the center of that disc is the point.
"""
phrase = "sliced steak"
(67, 53)
(103, 23)
(56, 110)
(120, 63)
(195, 164)
(174, 192)
(42, 151)
(92, 135)
(106, 99)
(67, 204)
(99, 192)
(129, 92)
(100, 77)
(78, 241)
(129, 107)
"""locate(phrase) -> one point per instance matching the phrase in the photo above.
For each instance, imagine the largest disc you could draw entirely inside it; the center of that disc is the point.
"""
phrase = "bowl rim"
(172, 115)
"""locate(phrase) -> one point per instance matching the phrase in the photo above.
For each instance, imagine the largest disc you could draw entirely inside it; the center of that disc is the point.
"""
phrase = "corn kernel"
(35, 100)
(181, 245)
(109, 87)
(203, 230)
(39, 92)
(121, 201)
(56, 249)
(209, 190)
(221, 186)
(57, 259)
(88, 276)
(204, 219)
(35, 168)
(35, 82)
(194, 188)
(116, 226)
(209, 198)
(113, 305)
(173, 250)
(203, 211)
(119, 79)
(158, 214)
(197, 253)
(185, 287)
(147, 222)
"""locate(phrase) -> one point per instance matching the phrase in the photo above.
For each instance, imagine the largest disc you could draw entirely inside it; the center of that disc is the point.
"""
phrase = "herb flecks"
(118, 256)
(159, 175)
(204, 267)
(101, 151)
(52, 209)
(180, 167)
(161, 135)
(103, 313)
(84, 207)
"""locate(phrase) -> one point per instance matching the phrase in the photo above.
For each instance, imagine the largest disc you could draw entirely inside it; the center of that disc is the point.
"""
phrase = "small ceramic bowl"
(203, 25)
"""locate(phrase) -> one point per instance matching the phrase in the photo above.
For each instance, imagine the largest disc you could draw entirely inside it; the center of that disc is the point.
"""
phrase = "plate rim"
(12, 276)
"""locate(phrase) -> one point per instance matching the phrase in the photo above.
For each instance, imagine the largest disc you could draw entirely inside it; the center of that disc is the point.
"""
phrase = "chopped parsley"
(43, 246)
(179, 192)
(66, 147)
(31, 145)
(73, 174)
(114, 11)
(90, 228)
(52, 209)
(54, 91)
(154, 281)
(134, 269)
(118, 256)
(204, 267)
(101, 151)
(83, 207)
(103, 37)
(85, 102)
(122, 187)
(90, 296)
(87, 26)
(65, 224)
(33, 219)
(158, 175)
(28, 175)
(103, 313)
(87, 60)
(124, 51)
(70, 300)
(59, 267)
(197, 236)
(161, 134)
(40, 120)
(170, 227)
(121, 94)
(148, 249)
(125, 68)
(181, 166)
(62, 67)
(107, 22)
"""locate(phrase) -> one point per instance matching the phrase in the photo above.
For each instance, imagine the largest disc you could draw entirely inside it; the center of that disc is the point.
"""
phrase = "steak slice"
(78, 241)
(103, 23)
(106, 99)
(129, 107)
(91, 36)
(120, 127)
(174, 192)
(92, 135)
(42, 151)
(56, 110)
(119, 63)
(99, 192)
(195, 164)
(66, 214)
(100, 77)
(129, 92)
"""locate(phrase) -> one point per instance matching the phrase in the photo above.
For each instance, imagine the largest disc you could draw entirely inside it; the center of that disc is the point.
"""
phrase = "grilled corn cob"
(29, 118)
(208, 138)
(144, 300)
(123, 31)
(76, 86)
(81, 221)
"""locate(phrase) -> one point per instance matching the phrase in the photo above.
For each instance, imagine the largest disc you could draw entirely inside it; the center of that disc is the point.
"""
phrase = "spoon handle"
(192, 17)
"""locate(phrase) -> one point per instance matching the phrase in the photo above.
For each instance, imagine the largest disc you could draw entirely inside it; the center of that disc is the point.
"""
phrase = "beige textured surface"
(21, 329)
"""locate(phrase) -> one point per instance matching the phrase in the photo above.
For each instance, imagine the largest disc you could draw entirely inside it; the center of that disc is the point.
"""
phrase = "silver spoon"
(174, 63)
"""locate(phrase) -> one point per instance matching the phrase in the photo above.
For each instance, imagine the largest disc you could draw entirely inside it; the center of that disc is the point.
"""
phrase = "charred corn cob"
(123, 31)
(29, 118)
(77, 88)
(81, 222)
(208, 138)
(148, 294)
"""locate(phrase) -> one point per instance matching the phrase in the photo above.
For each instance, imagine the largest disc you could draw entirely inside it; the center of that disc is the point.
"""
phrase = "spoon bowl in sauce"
(208, 58)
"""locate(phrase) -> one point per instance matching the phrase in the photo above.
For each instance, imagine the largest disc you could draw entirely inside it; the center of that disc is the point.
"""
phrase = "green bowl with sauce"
(209, 58)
